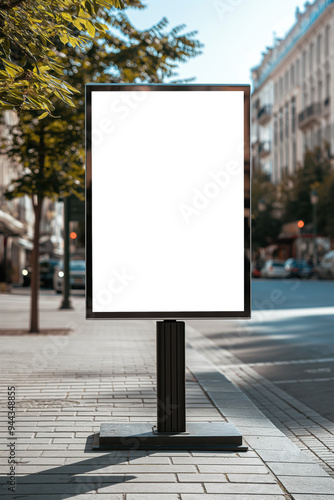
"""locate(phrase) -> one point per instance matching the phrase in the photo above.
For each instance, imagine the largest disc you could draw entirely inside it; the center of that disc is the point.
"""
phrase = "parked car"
(26, 274)
(326, 267)
(273, 269)
(77, 275)
(46, 270)
(297, 268)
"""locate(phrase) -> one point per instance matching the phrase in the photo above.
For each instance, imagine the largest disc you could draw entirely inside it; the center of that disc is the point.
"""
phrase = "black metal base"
(212, 436)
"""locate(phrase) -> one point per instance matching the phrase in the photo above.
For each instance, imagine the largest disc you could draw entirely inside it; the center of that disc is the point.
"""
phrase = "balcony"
(264, 115)
(264, 149)
(310, 116)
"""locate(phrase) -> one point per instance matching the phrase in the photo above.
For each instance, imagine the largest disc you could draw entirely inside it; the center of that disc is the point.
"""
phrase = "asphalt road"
(292, 332)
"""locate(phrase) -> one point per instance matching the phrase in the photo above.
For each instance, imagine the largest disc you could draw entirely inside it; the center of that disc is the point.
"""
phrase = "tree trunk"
(34, 309)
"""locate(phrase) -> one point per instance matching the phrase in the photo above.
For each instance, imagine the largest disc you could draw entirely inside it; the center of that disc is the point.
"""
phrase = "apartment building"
(293, 93)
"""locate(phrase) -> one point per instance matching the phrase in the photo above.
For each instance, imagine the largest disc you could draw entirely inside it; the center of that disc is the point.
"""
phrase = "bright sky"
(234, 32)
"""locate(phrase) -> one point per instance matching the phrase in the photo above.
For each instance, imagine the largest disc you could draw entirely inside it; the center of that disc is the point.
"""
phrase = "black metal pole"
(66, 304)
(171, 393)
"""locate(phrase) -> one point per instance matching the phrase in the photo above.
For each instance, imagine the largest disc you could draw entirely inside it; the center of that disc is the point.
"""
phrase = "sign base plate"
(219, 436)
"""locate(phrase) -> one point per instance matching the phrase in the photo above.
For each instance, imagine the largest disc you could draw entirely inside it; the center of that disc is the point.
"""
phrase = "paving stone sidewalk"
(105, 372)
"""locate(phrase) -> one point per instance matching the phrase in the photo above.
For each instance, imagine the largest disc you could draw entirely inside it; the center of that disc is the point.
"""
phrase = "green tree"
(297, 188)
(265, 223)
(51, 150)
(325, 209)
(31, 32)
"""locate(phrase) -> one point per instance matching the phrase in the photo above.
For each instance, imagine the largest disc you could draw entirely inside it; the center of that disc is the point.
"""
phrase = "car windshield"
(278, 264)
(48, 264)
(77, 265)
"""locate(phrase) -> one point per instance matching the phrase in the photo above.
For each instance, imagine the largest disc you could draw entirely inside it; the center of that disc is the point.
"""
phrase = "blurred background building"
(293, 97)
(17, 219)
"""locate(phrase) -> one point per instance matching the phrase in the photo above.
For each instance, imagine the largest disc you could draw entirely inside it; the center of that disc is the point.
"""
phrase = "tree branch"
(11, 5)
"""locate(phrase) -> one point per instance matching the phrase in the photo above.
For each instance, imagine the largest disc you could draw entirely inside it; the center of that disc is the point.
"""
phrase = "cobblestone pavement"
(309, 430)
(104, 371)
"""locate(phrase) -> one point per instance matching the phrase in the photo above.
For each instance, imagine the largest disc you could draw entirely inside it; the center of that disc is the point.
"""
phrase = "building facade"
(17, 221)
(293, 93)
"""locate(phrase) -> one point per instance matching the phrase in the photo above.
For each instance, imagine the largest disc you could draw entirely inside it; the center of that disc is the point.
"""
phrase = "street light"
(300, 225)
(314, 201)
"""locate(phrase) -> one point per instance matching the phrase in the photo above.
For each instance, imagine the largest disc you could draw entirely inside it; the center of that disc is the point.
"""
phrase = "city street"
(289, 339)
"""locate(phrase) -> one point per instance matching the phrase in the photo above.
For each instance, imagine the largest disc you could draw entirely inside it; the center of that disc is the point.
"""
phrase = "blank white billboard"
(165, 194)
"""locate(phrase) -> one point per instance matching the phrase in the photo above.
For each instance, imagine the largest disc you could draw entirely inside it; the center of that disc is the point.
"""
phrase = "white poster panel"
(167, 202)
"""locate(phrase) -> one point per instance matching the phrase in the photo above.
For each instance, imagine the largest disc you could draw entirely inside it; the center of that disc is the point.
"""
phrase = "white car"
(77, 275)
(326, 267)
(273, 269)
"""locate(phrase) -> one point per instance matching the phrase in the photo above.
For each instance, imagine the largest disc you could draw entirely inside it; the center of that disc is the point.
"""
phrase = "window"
(328, 85)
(292, 75)
(304, 99)
(281, 87)
(319, 44)
(304, 64)
(281, 158)
(276, 92)
(275, 130)
(287, 161)
(327, 40)
(286, 82)
(297, 71)
(319, 92)
(294, 155)
(287, 120)
(305, 142)
(293, 115)
(311, 56)
(281, 124)
(328, 133)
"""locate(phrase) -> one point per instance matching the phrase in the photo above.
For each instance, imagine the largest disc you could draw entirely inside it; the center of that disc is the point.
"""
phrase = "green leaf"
(67, 17)
(43, 115)
(13, 66)
(64, 39)
(90, 29)
(88, 6)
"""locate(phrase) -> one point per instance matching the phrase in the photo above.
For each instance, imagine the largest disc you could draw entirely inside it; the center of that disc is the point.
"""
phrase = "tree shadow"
(69, 480)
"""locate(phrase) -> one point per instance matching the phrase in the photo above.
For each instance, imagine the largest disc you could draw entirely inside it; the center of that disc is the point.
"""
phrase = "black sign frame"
(90, 314)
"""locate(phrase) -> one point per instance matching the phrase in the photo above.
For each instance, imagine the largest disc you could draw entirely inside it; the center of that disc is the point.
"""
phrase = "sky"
(234, 32)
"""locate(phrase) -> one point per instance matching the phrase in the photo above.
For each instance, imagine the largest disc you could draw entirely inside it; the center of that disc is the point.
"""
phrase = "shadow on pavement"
(70, 480)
